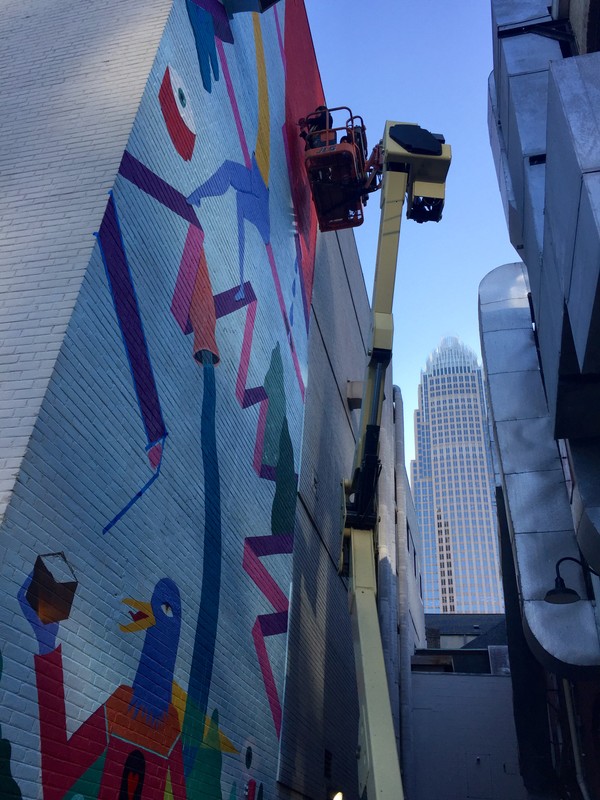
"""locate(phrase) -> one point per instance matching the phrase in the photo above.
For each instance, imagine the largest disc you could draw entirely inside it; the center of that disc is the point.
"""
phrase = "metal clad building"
(539, 332)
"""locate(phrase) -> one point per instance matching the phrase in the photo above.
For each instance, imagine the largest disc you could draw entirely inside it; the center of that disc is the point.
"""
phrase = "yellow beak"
(142, 617)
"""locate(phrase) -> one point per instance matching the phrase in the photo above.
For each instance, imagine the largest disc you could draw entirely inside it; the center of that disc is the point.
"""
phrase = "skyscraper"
(452, 482)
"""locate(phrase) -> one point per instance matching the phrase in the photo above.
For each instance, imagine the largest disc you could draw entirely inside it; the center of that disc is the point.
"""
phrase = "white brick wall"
(71, 79)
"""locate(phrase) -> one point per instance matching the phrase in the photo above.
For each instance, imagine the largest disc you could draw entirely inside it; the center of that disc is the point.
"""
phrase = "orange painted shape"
(203, 315)
(138, 729)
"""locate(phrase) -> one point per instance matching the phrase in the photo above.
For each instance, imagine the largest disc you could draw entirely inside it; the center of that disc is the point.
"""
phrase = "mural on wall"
(132, 330)
(132, 742)
(200, 288)
(303, 91)
(179, 119)
(209, 22)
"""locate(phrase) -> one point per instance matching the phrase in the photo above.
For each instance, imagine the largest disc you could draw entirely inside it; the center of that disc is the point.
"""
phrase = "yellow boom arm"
(415, 165)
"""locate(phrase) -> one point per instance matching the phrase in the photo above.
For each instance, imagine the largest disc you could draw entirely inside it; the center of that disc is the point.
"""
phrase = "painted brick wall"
(172, 438)
(70, 80)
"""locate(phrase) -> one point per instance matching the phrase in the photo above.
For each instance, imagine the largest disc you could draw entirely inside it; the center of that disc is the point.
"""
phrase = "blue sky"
(426, 62)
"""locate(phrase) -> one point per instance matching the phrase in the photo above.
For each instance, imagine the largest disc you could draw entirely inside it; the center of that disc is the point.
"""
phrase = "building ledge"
(564, 638)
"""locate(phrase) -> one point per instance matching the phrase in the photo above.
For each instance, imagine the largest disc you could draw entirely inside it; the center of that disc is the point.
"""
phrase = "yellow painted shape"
(263, 135)
(225, 744)
(179, 699)
(168, 787)
(147, 620)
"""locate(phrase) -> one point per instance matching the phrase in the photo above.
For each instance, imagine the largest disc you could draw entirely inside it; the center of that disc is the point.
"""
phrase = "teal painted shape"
(204, 780)
(9, 788)
(276, 411)
(278, 451)
(283, 510)
(88, 786)
(208, 614)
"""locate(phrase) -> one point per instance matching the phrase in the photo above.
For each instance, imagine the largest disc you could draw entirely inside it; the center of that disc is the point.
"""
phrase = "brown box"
(52, 587)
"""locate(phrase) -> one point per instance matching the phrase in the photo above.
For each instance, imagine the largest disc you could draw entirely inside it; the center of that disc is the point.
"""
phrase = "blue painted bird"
(130, 747)
(161, 618)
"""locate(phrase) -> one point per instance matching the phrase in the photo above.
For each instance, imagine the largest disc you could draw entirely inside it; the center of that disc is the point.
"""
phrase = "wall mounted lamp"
(562, 594)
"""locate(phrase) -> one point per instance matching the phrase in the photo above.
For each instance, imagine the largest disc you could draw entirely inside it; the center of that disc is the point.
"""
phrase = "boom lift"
(410, 162)
(340, 174)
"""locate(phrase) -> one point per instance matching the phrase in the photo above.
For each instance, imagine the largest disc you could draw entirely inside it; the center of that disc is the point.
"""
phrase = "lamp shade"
(561, 594)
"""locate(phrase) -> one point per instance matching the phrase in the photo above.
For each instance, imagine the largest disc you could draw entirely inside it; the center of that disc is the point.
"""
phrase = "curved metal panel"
(564, 638)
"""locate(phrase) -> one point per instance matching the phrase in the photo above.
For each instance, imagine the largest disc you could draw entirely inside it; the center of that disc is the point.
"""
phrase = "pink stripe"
(261, 577)
(155, 454)
(285, 317)
(267, 674)
(244, 146)
(233, 101)
(260, 436)
(186, 278)
(242, 375)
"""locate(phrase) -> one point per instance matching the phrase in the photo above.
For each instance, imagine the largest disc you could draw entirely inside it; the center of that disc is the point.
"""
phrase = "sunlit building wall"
(452, 483)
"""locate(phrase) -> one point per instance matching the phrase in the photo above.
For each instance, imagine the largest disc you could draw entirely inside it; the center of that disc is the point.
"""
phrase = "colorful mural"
(179, 397)
(131, 744)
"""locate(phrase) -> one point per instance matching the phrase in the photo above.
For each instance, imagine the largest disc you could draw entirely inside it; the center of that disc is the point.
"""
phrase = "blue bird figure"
(130, 747)
(161, 618)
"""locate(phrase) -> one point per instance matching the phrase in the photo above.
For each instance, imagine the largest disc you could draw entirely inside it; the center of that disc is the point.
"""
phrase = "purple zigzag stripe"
(225, 302)
(130, 322)
(255, 548)
(253, 552)
(272, 545)
(253, 396)
(146, 180)
(273, 624)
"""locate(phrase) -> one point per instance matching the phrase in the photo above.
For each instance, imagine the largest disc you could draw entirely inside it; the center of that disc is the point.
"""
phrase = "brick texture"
(170, 431)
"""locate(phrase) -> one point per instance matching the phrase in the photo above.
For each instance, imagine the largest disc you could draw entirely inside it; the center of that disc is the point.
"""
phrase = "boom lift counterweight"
(412, 163)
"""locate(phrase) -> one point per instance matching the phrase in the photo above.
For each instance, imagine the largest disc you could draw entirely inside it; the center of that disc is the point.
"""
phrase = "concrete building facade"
(409, 597)
(452, 482)
(176, 348)
(465, 720)
(539, 333)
